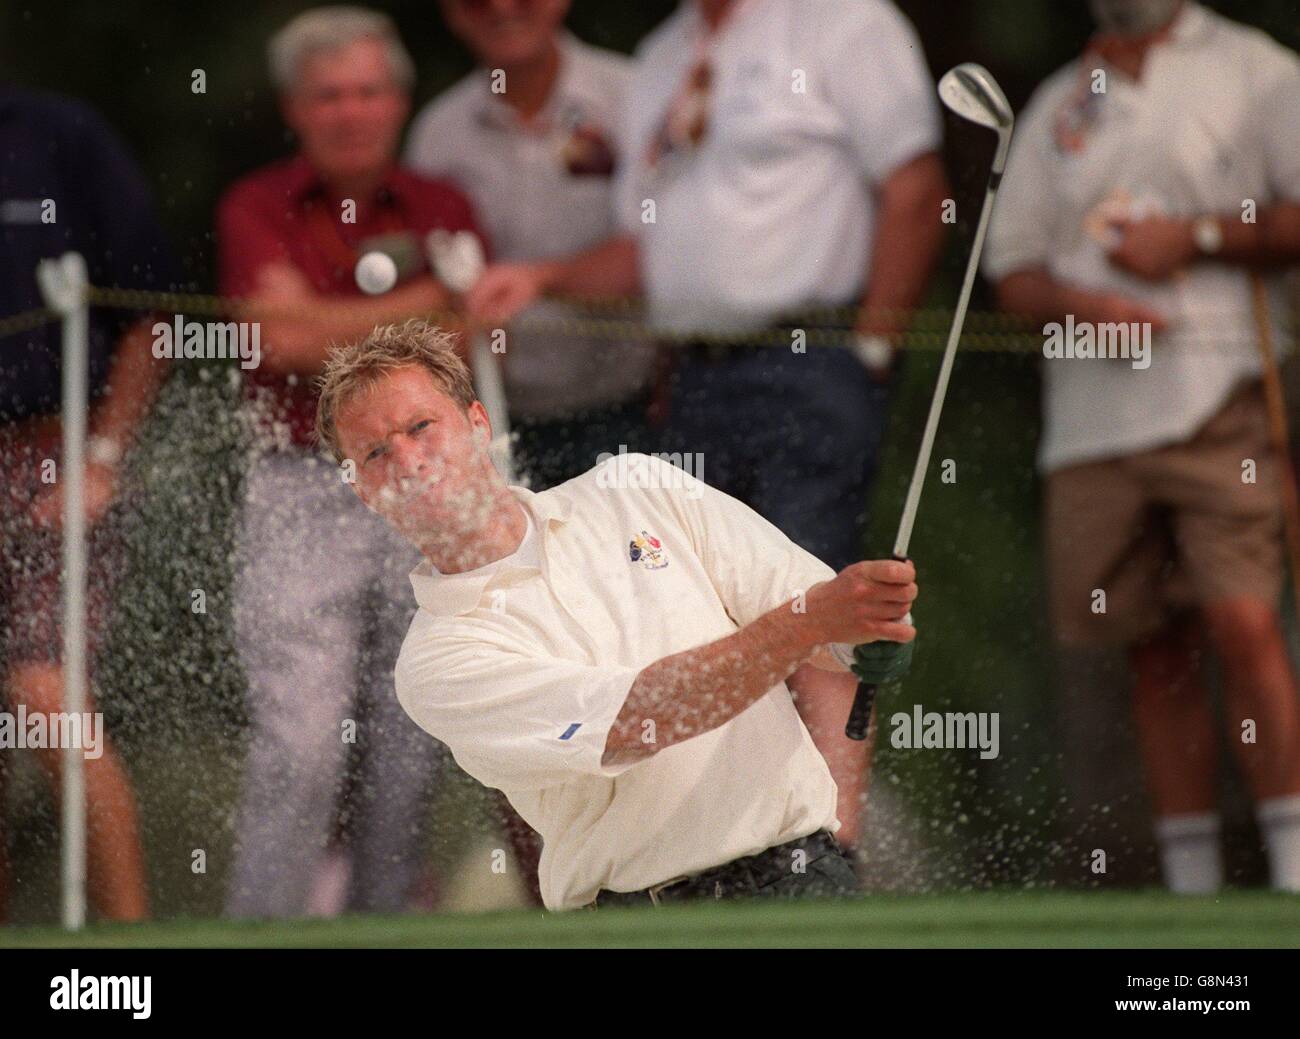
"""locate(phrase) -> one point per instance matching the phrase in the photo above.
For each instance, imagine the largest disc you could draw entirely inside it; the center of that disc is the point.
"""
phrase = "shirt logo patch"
(648, 551)
(570, 730)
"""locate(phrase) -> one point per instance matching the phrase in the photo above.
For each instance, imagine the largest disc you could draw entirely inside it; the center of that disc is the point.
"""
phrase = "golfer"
(613, 653)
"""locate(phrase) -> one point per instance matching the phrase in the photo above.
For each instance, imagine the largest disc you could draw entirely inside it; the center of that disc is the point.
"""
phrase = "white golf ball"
(376, 273)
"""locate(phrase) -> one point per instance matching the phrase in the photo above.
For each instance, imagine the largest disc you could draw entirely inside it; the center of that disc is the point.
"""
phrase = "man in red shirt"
(322, 598)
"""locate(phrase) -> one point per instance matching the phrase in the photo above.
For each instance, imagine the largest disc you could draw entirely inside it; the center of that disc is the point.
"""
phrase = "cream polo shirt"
(534, 206)
(522, 671)
(813, 104)
(1215, 120)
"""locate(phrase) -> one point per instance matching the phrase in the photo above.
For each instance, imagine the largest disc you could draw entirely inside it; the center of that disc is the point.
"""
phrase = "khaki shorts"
(1165, 530)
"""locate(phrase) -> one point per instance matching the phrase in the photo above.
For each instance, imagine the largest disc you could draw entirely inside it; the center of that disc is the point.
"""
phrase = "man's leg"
(1230, 531)
(32, 641)
(1264, 720)
(813, 462)
(299, 615)
(115, 875)
(1177, 736)
(1259, 688)
(399, 760)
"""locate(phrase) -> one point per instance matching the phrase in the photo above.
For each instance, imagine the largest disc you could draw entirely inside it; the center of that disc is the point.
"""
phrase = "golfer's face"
(421, 461)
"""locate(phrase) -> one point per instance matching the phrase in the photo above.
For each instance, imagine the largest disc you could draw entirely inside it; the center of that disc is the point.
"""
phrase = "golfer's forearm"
(606, 270)
(694, 692)
(909, 235)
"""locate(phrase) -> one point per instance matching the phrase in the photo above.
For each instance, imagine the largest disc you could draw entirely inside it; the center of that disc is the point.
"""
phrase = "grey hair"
(328, 29)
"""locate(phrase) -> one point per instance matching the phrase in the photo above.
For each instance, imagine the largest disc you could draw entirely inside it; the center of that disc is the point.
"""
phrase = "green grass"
(989, 920)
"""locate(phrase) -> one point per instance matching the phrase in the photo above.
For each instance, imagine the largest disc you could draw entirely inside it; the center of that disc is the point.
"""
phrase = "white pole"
(458, 260)
(63, 283)
(491, 391)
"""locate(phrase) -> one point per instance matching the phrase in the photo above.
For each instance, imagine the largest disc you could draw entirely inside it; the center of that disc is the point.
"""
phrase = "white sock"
(1279, 822)
(1189, 852)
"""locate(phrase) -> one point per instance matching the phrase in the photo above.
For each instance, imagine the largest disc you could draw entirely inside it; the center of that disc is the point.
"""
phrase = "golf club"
(971, 91)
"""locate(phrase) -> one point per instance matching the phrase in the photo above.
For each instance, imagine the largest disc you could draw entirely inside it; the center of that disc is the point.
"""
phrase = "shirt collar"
(1191, 23)
(303, 182)
(450, 595)
(494, 112)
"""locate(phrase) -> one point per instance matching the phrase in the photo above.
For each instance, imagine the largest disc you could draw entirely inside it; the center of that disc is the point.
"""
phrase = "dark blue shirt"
(57, 148)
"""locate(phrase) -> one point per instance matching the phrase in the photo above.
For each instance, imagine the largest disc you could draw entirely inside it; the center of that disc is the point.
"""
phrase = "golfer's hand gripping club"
(874, 663)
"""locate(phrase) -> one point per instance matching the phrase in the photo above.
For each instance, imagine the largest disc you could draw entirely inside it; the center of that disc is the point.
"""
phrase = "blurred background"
(170, 684)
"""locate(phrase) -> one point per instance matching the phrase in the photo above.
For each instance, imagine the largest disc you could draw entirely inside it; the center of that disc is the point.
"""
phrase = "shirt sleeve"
(1280, 125)
(1022, 225)
(877, 78)
(247, 241)
(512, 719)
(751, 564)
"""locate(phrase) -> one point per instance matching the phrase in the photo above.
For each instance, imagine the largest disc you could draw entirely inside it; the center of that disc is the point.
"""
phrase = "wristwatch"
(1207, 234)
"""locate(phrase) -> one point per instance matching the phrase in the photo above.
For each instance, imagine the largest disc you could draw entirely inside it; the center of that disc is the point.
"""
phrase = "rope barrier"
(624, 319)
(25, 321)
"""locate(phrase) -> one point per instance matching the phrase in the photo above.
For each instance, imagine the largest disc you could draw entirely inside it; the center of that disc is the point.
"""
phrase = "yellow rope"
(623, 319)
(26, 321)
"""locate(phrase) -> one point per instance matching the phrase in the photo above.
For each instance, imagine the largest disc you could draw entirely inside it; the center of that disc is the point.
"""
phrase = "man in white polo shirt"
(1149, 181)
(613, 653)
(779, 156)
(530, 136)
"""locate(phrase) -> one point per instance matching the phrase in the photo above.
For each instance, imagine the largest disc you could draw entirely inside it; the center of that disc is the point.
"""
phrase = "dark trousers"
(549, 451)
(808, 867)
(794, 436)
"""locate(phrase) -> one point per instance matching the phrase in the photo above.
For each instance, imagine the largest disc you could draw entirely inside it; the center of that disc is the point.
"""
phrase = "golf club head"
(971, 91)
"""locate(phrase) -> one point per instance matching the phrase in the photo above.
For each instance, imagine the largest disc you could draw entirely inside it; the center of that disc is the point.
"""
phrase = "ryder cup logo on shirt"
(648, 551)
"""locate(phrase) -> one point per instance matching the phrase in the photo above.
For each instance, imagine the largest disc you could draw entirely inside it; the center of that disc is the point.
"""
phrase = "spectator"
(537, 159)
(321, 587)
(779, 155)
(1101, 220)
(67, 183)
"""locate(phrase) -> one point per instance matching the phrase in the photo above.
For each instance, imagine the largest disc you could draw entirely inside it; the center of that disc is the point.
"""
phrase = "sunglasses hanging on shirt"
(685, 124)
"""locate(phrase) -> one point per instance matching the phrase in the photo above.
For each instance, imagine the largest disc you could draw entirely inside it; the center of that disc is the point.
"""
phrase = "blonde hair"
(352, 368)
